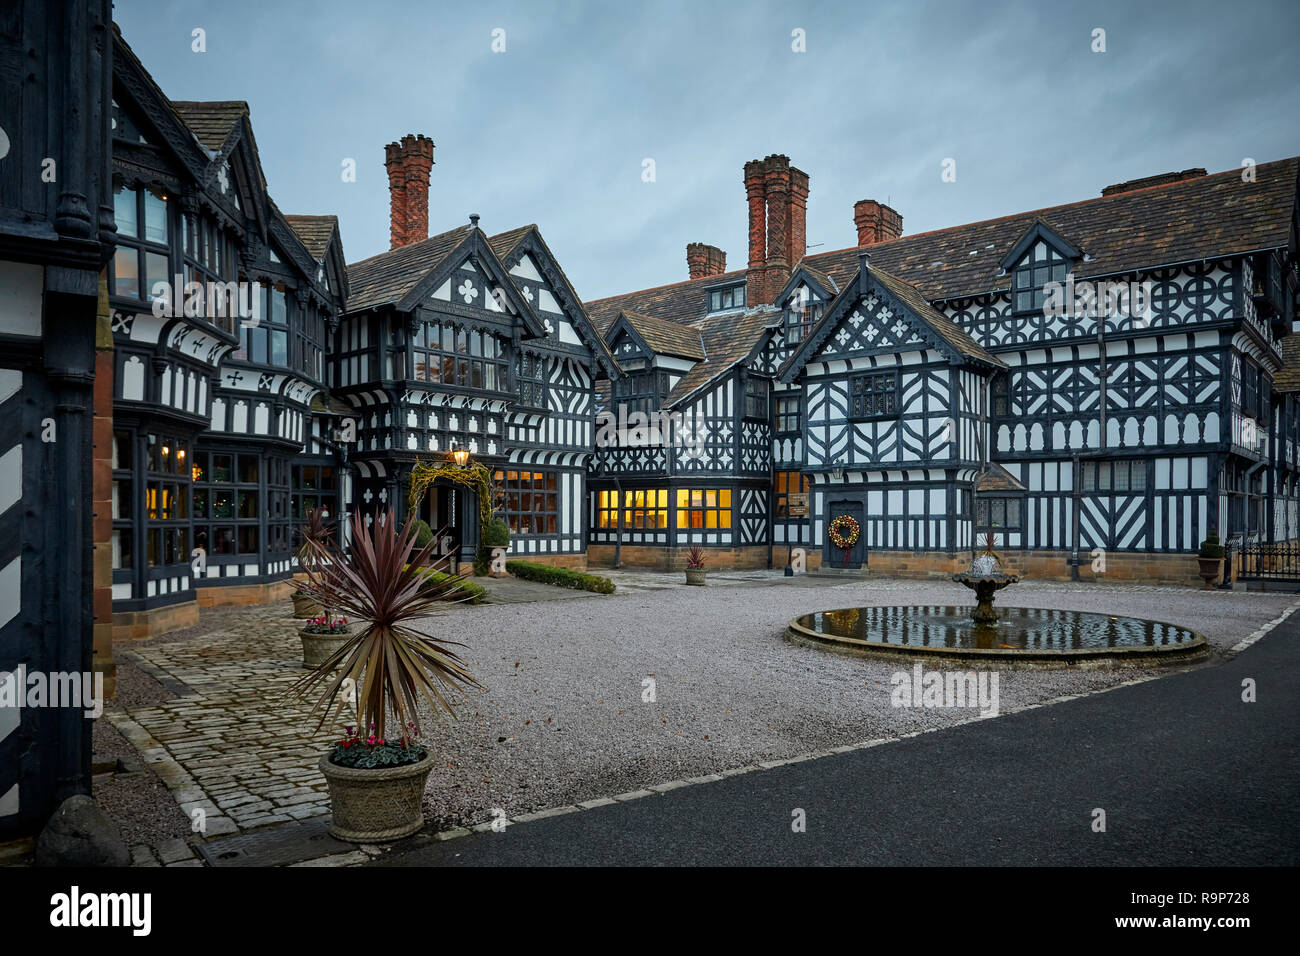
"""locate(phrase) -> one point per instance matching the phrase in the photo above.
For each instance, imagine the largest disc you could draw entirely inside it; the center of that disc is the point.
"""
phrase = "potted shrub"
(423, 533)
(321, 638)
(695, 565)
(312, 532)
(1210, 558)
(495, 535)
(377, 776)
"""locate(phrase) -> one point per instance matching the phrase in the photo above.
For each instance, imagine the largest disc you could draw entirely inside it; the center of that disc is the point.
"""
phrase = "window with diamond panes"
(447, 355)
(874, 395)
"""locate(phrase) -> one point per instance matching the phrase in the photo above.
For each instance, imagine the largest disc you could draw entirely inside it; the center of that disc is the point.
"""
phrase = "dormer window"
(800, 318)
(1041, 265)
(640, 391)
(732, 297)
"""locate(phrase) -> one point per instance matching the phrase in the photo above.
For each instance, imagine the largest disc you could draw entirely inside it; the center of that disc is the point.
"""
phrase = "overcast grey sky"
(555, 129)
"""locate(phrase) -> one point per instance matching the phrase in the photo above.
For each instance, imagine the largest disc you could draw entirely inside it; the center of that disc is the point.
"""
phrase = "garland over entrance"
(472, 475)
(844, 532)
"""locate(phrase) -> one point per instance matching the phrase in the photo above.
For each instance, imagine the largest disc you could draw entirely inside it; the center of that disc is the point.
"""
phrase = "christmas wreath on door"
(844, 532)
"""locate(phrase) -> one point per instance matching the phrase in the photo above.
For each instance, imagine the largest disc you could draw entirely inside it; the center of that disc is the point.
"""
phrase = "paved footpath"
(1186, 771)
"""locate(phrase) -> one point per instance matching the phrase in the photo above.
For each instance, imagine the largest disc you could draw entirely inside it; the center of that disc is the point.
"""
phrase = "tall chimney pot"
(876, 222)
(409, 164)
(704, 260)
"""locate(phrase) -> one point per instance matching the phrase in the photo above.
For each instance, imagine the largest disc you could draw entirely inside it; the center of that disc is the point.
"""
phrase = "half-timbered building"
(56, 232)
(1091, 383)
(222, 313)
(477, 343)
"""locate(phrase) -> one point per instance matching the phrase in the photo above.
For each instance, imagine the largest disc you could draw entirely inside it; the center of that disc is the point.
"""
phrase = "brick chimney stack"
(409, 164)
(876, 222)
(704, 260)
(777, 194)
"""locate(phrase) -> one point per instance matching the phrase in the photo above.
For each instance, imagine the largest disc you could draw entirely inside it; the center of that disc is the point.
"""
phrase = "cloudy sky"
(556, 129)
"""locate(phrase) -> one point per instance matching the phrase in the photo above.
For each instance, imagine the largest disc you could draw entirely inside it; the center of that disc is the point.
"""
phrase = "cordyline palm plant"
(314, 537)
(385, 582)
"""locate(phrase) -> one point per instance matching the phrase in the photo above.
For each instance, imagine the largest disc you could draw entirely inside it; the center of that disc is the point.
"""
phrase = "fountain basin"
(1033, 637)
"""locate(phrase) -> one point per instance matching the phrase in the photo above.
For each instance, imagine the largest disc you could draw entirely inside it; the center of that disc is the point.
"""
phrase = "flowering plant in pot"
(381, 673)
(314, 537)
(321, 637)
(695, 565)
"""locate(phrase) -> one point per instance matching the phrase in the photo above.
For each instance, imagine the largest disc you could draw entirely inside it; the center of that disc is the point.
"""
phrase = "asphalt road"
(1187, 773)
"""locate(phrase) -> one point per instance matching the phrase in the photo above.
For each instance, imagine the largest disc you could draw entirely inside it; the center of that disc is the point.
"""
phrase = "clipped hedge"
(474, 593)
(560, 577)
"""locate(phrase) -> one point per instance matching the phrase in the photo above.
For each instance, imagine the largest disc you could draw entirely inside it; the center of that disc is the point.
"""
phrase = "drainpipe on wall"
(1245, 490)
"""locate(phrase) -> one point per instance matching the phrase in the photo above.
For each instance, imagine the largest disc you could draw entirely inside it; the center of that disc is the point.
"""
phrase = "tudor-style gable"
(542, 282)
(877, 314)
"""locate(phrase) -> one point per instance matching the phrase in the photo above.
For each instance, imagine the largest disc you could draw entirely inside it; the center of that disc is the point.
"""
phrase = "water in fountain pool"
(1018, 628)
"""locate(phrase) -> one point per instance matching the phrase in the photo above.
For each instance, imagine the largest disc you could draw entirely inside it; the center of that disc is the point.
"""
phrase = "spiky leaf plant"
(695, 557)
(314, 540)
(385, 583)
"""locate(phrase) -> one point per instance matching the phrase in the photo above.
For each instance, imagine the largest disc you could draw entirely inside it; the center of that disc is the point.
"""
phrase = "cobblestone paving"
(235, 752)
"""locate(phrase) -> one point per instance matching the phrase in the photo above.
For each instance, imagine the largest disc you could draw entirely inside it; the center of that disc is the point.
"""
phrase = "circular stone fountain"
(1035, 637)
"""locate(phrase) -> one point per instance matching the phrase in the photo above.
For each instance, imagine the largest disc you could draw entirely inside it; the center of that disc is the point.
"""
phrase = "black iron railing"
(1268, 562)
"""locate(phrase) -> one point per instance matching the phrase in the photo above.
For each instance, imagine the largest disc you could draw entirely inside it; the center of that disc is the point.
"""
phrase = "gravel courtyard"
(562, 718)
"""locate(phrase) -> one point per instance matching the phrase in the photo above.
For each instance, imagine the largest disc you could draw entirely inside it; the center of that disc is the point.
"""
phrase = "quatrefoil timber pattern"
(873, 327)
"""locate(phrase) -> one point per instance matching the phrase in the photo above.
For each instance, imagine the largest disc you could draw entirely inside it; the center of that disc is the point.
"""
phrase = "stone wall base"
(1126, 567)
(138, 625)
(243, 594)
(574, 562)
(663, 558)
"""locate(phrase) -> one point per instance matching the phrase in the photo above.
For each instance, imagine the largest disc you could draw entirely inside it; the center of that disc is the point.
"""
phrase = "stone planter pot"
(375, 806)
(1210, 570)
(317, 648)
(695, 576)
(305, 606)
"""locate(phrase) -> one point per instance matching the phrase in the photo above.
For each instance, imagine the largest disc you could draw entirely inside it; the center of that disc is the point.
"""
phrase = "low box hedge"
(560, 577)
(467, 591)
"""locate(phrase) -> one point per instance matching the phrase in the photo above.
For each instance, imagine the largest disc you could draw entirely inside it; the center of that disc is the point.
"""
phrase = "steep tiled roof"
(1143, 227)
(997, 478)
(389, 276)
(503, 244)
(679, 302)
(728, 339)
(1205, 217)
(211, 121)
(820, 277)
(667, 338)
(1288, 379)
(314, 231)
